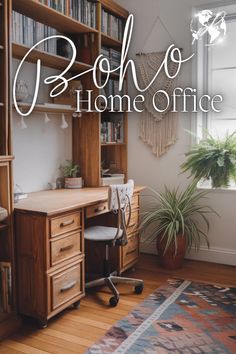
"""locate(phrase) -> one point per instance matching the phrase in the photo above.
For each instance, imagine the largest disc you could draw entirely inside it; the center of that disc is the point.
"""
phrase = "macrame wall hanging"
(158, 130)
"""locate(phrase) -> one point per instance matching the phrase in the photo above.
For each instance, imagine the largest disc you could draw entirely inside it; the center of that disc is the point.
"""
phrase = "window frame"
(200, 67)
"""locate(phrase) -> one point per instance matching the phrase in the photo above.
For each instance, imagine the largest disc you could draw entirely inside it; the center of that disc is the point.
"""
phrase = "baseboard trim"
(213, 255)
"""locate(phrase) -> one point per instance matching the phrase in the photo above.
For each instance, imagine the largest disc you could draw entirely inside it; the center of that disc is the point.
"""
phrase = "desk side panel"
(31, 250)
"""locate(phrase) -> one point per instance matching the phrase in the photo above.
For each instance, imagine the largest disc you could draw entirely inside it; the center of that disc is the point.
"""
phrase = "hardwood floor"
(76, 330)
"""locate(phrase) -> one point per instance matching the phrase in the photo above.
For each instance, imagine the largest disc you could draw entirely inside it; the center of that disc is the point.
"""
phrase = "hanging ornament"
(64, 124)
(77, 115)
(46, 118)
(22, 123)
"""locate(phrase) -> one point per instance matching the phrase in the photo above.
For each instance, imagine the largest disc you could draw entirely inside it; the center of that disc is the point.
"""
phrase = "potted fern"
(71, 175)
(213, 159)
(173, 222)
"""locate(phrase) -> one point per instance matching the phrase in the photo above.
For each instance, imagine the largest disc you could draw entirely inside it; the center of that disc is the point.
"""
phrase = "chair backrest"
(119, 199)
(120, 195)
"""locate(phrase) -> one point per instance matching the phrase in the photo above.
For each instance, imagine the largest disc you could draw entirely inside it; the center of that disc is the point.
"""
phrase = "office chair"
(119, 203)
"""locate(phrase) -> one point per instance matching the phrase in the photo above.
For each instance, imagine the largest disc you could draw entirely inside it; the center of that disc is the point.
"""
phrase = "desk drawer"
(130, 252)
(97, 209)
(66, 247)
(63, 224)
(134, 222)
(67, 285)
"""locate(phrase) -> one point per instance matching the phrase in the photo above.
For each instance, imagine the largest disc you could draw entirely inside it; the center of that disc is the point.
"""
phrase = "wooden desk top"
(62, 200)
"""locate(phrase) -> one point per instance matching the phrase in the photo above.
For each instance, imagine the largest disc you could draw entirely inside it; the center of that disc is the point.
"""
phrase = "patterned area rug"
(179, 317)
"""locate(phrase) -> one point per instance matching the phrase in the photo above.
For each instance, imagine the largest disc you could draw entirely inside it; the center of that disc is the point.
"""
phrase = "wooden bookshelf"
(86, 145)
(8, 319)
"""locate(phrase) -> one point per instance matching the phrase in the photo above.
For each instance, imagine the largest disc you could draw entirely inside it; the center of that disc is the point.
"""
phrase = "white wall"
(40, 149)
(145, 168)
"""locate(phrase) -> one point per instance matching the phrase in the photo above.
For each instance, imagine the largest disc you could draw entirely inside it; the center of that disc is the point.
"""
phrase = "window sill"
(206, 185)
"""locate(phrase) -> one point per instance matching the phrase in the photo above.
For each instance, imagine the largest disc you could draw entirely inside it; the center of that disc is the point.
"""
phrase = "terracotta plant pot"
(170, 260)
(73, 183)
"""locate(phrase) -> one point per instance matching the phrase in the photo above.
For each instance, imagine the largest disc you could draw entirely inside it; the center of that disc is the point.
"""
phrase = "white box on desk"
(114, 179)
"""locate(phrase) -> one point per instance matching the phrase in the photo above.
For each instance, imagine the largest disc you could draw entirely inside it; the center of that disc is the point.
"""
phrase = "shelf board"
(48, 59)
(6, 158)
(50, 17)
(52, 108)
(110, 41)
(3, 227)
(114, 76)
(113, 144)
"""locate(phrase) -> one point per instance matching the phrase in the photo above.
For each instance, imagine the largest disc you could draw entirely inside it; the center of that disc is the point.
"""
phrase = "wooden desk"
(50, 247)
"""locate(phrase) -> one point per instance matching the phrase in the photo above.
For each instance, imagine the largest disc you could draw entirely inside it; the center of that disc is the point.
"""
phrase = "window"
(216, 74)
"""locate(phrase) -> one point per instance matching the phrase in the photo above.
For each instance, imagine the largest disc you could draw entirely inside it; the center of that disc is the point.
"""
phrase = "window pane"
(224, 82)
(224, 53)
(219, 128)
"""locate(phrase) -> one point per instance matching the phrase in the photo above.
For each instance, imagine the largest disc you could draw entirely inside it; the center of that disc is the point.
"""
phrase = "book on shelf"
(112, 132)
(83, 11)
(58, 5)
(6, 287)
(112, 89)
(112, 25)
(113, 56)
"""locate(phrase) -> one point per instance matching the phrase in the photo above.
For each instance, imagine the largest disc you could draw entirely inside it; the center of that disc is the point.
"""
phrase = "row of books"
(29, 32)
(58, 5)
(112, 132)
(112, 26)
(5, 287)
(113, 56)
(81, 10)
(112, 88)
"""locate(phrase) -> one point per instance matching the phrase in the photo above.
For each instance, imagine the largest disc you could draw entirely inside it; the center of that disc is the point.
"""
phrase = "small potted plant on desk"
(174, 223)
(71, 176)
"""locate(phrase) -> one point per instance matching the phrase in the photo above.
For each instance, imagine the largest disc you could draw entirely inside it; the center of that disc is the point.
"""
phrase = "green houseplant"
(214, 159)
(173, 222)
(70, 173)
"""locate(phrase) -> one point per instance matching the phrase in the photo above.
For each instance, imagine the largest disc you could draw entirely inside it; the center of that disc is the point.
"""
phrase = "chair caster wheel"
(113, 301)
(76, 305)
(138, 289)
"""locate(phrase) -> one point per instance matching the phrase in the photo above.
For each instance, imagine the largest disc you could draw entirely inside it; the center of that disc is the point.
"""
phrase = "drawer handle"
(66, 248)
(68, 287)
(100, 209)
(131, 252)
(67, 223)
